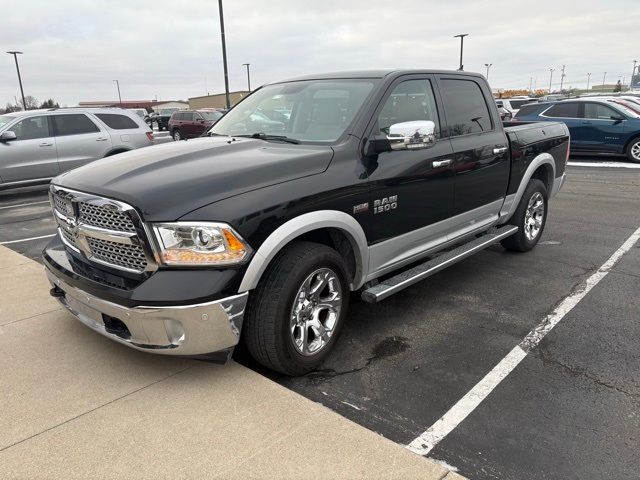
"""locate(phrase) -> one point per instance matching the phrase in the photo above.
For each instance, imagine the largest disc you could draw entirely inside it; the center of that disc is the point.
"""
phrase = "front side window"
(309, 110)
(32, 128)
(466, 108)
(563, 110)
(409, 101)
(73, 124)
(188, 116)
(597, 111)
(117, 122)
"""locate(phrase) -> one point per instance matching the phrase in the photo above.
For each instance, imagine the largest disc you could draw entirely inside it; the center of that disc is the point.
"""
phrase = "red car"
(192, 123)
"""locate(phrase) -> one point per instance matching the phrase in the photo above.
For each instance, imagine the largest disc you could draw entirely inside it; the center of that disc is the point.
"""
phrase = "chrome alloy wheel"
(635, 151)
(315, 311)
(176, 136)
(534, 216)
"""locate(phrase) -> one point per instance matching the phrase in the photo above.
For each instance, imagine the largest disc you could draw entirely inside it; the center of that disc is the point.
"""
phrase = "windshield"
(4, 120)
(213, 116)
(310, 110)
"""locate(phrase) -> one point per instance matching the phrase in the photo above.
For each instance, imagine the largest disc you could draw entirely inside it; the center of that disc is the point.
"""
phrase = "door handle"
(46, 144)
(441, 163)
(102, 139)
(499, 150)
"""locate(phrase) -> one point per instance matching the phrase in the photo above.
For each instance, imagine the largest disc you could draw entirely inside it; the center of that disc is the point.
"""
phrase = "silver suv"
(37, 145)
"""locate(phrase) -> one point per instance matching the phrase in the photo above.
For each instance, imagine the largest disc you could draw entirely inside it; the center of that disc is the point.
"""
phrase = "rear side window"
(465, 107)
(73, 124)
(188, 116)
(563, 110)
(31, 128)
(527, 110)
(516, 104)
(117, 122)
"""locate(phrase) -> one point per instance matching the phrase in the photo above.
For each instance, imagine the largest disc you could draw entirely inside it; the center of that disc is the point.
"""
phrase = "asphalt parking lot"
(570, 409)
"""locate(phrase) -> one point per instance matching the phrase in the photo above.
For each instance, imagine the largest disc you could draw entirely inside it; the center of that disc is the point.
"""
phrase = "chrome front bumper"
(174, 330)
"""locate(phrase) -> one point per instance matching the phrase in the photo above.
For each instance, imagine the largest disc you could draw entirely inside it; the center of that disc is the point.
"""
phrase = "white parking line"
(27, 239)
(423, 444)
(604, 164)
(24, 204)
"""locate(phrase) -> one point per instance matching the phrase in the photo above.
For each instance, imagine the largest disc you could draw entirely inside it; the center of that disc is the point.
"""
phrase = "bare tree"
(31, 103)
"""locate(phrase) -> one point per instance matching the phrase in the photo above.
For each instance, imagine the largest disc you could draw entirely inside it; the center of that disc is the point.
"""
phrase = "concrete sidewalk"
(76, 405)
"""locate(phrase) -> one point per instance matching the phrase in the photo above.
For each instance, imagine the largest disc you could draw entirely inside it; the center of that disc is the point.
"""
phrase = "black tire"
(267, 328)
(520, 241)
(633, 150)
(176, 133)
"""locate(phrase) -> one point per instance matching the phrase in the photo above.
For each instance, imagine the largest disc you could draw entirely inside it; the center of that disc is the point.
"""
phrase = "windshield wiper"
(265, 136)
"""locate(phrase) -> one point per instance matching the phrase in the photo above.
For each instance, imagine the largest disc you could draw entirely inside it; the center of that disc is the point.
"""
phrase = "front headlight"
(193, 244)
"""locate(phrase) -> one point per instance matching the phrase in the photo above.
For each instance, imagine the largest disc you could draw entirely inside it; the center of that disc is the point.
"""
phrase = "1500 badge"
(385, 204)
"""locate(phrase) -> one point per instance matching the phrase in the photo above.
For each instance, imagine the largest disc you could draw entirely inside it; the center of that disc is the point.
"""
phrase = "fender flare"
(114, 150)
(512, 201)
(297, 226)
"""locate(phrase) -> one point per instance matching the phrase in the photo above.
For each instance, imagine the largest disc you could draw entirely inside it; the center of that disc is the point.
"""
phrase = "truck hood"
(168, 181)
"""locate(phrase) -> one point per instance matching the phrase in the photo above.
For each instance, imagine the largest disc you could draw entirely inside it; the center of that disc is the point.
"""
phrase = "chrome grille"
(128, 256)
(105, 217)
(103, 230)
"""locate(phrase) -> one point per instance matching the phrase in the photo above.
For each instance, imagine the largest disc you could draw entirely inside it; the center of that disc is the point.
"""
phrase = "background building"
(216, 101)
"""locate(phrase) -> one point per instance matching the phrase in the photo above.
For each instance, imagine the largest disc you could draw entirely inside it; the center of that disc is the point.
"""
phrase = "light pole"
(603, 78)
(632, 74)
(562, 78)
(488, 65)
(461, 36)
(15, 57)
(530, 85)
(588, 80)
(550, 78)
(248, 76)
(224, 55)
(119, 97)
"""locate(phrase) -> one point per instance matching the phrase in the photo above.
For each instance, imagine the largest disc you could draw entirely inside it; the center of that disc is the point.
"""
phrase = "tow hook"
(56, 292)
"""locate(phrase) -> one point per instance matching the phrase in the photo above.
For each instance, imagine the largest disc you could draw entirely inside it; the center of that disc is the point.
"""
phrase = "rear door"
(32, 155)
(599, 130)
(79, 140)
(481, 153)
(569, 113)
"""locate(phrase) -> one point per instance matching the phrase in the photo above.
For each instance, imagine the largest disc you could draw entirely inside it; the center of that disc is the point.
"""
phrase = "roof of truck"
(351, 74)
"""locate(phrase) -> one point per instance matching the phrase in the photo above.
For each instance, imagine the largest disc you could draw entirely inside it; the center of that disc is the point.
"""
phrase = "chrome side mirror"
(7, 136)
(412, 135)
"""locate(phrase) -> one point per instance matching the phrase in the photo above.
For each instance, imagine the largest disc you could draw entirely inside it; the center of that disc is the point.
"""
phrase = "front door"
(411, 191)
(79, 140)
(32, 155)
(601, 128)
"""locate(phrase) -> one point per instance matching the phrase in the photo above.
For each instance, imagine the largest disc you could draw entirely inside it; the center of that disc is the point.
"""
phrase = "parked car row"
(37, 145)
(192, 123)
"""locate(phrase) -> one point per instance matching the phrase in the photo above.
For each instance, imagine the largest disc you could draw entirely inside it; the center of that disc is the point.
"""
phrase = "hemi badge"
(363, 207)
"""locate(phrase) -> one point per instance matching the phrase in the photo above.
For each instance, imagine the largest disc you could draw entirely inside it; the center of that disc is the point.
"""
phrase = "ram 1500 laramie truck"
(307, 190)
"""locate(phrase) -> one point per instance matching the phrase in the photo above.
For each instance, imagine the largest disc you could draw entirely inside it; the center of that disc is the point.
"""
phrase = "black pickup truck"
(377, 180)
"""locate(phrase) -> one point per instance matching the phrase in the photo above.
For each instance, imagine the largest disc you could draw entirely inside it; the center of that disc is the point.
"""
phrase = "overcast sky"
(73, 49)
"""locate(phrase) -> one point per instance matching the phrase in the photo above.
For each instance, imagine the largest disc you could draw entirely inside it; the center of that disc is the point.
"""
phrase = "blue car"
(603, 126)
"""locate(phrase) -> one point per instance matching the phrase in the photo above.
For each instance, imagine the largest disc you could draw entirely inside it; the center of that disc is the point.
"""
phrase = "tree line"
(31, 103)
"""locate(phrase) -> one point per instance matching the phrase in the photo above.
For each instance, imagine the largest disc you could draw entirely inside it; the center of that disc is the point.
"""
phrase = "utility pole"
(588, 80)
(248, 76)
(603, 78)
(488, 65)
(562, 78)
(119, 97)
(530, 84)
(632, 75)
(461, 36)
(550, 78)
(224, 55)
(15, 57)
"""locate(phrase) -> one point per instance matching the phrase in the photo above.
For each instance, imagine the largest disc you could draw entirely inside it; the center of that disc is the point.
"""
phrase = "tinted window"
(466, 108)
(599, 112)
(527, 110)
(516, 104)
(188, 116)
(563, 110)
(30, 128)
(117, 122)
(73, 124)
(410, 100)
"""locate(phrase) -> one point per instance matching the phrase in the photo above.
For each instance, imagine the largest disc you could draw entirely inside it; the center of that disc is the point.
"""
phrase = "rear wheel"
(176, 135)
(530, 218)
(633, 150)
(296, 313)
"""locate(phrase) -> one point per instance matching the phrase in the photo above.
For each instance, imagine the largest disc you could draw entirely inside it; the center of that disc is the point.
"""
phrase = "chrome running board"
(407, 278)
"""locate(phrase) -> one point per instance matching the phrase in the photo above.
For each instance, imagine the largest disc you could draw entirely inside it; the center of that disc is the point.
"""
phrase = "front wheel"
(296, 313)
(530, 217)
(176, 135)
(633, 150)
